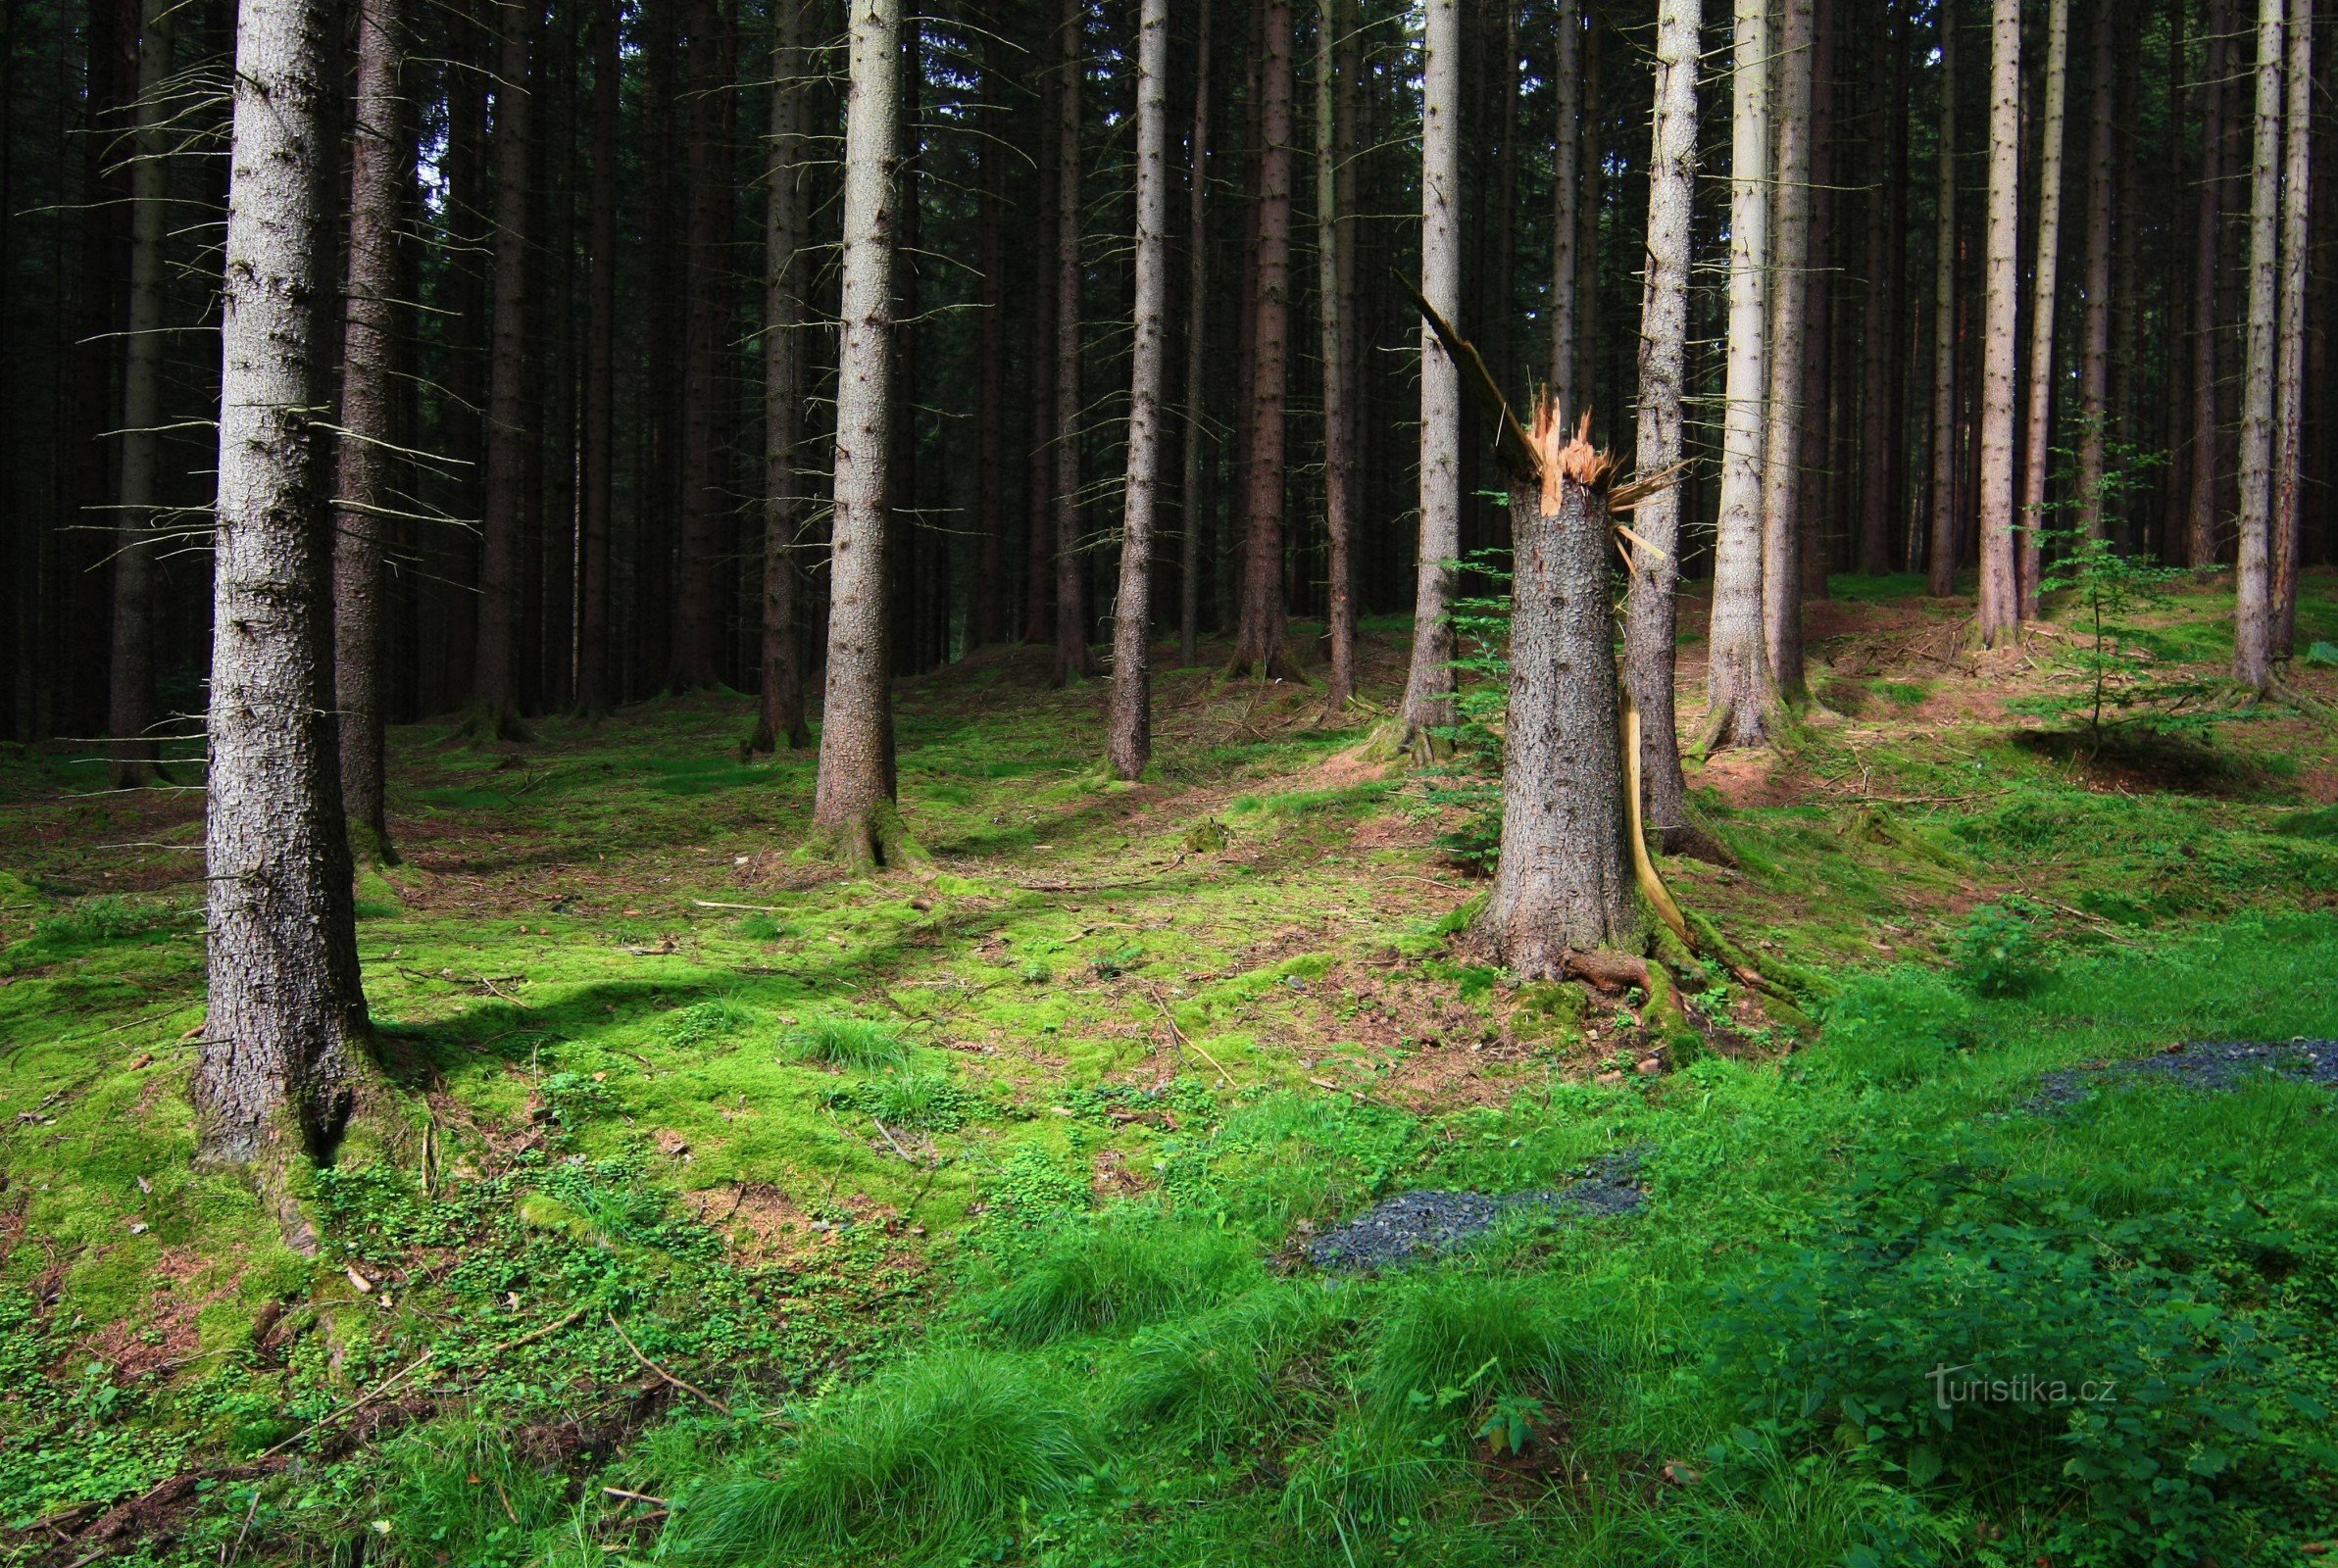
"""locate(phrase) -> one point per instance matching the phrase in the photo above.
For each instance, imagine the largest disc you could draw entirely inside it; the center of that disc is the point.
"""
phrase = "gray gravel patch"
(1425, 1223)
(2211, 1066)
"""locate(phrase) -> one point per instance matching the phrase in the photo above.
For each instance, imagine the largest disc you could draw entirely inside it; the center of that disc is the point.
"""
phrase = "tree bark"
(1740, 693)
(2094, 349)
(285, 1053)
(1197, 350)
(1071, 582)
(378, 178)
(1428, 702)
(1339, 507)
(130, 713)
(780, 711)
(1129, 744)
(497, 689)
(2253, 629)
(1564, 881)
(2290, 377)
(1940, 576)
(2200, 513)
(698, 606)
(1038, 620)
(991, 608)
(1259, 641)
(2000, 596)
(854, 807)
(1790, 283)
(1879, 367)
(594, 655)
(1651, 614)
(2044, 295)
(1567, 161)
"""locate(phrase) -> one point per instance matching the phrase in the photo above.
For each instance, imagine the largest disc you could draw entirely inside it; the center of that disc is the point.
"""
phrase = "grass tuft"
(1124, 1270)
(843, 1042)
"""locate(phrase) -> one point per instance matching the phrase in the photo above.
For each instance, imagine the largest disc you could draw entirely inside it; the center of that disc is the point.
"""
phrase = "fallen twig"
(424, 1360)
(686, 1387)
(752, 909)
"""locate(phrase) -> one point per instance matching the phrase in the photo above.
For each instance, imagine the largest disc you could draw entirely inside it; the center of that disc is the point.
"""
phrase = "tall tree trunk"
(2200, 513)
(497, 691)
(1879, 331)
(2000, 599)
(1790, 298)
(2252, 630)
(1651, 615)
(1820, 414)
(991, 608)
(1739, 689)
(1197, 350)
(1566, 162)
(2289, 380)
(1428, 702)
(854, 805)
(1339, 507)
(594, 653)
(2045, 293)
(378, 178)
(130, 715)
(1259, 643)
(1563, 883)
(698, 603)
(2094, 347)
(1940, 577)
(1038, 620)
(780, 712)
(285, 1053)
(1129, 744)
(1071, 581)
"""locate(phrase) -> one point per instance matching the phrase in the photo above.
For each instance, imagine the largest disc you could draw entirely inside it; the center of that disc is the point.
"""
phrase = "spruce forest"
(1169, 783)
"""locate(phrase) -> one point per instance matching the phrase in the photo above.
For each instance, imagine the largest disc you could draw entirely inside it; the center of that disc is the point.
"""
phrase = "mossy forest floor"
(747, 1212)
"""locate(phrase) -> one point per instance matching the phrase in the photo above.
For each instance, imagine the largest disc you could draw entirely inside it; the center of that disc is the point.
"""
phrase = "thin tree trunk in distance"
(1651, 614)
(285, 1054)
(2253, 628)
(368, 349)
(594, 655)
(2043, 297)
(697, 610)
(990, 609)
(1999, 601)
(1071, 582)
(1259, 641)
(1197, 349)
(1339, 505)
(2289, 380)
(2094, 347)
(497, 693)
(1790, 274)
(1129, 744)
(1739, 690)
(853, 805)
(130, 716)
(1428, 702)
(1039, 555)
(1878, 438)
(1940, 576)
(780, 711)
(2200, 513)
(1567, 161)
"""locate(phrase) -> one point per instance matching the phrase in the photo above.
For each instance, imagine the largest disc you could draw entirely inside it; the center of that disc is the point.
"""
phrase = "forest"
(1169, 782)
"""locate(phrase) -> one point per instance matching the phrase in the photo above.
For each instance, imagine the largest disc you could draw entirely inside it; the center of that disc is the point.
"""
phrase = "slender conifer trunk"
(1129, 744)
(780, 708)
(1428, 702)
(2044, 296)
(1259, 640)
(1940, 576)
(1197, 349)
(2290, 379)
(2000, 597)
(2253, 632)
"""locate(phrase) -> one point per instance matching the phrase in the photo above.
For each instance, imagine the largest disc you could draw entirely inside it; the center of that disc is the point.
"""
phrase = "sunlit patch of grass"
(845, 1042)
(1128, 1267)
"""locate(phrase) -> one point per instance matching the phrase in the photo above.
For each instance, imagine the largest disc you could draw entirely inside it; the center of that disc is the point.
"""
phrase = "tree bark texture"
(2252, 630)
(1130, 741)
(378, 175)
(698, 604)
(130, 715)
(595, 657)
(2200, 511)
(1790, 297)
(1197, 349)
(1940, 575)
(1881, 366)
(286, 1052)
(1071, 582)
(2289, 377)
(2044, 295)
(1259, 641)
(1566, 160)
(497, 687)
(1429, 702)
(780, 711)
(990, 609)
(2094, 345)
(1332, 244)
(2000, 600)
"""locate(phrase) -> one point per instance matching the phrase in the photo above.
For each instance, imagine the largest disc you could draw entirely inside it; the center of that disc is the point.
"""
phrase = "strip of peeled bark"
(1129, 743)
(1790, 274)
(285, 1054)
(1940, 575)
(1565, 879)
(368, 349)
(1259, 641)
(1072, 580)
(1429, 703)
(1739, 691)
(129, 716)
(2094, 347)
(2289, 375)
(2000, 597)
(1652, 612)
(2043, 298)
(2253, 629)
(853, 806)
(1197, 351)
(780, 712)
(1331, 250)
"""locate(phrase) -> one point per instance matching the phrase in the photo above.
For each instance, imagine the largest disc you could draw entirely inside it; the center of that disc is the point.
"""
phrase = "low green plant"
(703, 1021)
(845, 1042)
(1126, 1267)
(918, 1101)
(2106, 678)
(1997, 952)
(1232, 1369)
(1892, 1029)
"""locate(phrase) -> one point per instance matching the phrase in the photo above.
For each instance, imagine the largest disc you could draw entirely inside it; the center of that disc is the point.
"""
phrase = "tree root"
(867, 842)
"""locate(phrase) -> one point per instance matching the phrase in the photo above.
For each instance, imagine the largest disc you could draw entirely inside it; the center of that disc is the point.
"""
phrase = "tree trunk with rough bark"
(1039, 555)
(698, 605)
(1879, 367)
(2200, 510)
(2289, 377)
(1740, 693)
(1790, 297)
(1563, 883)
(2094, 344)
(286, 1057)
(854, 809)
(1651, 614)
(2000, 596)
(378, 175)
(2253, 628)
(1259, 640)
(2044, 295)
(1940, 575)
(497, 691)
(1429, 702)
(1197, 350)
(130, 708)
(1071, 582)
(1339, 506)
(990, 610)
(1130, 741)
(779, 712)
(1566, 160)
(595, 657)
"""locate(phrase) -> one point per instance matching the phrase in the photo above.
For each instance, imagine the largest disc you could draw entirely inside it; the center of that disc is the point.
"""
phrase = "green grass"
(843, 1042)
